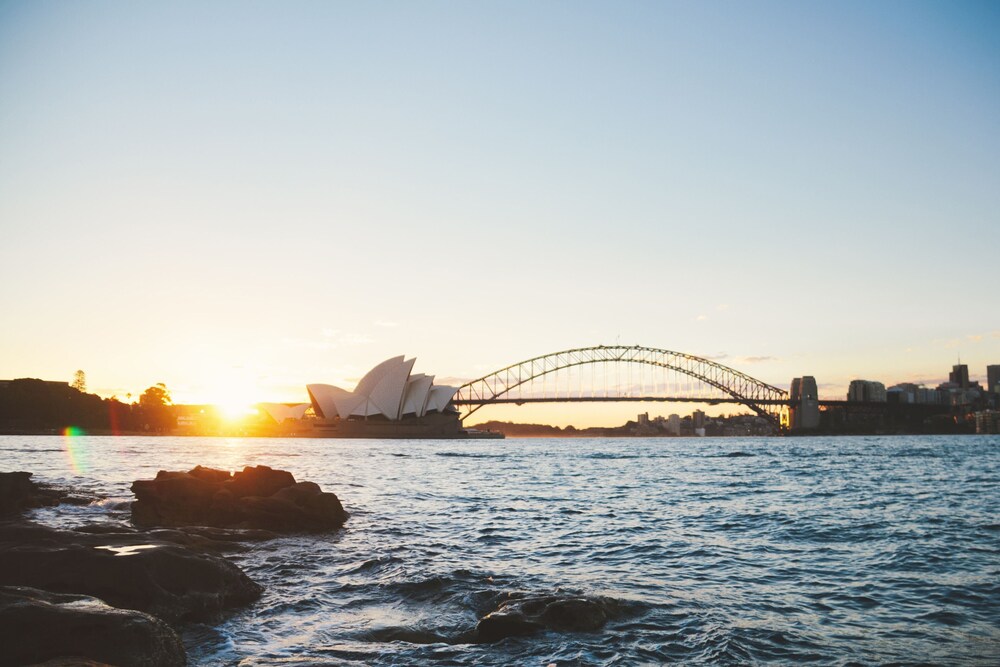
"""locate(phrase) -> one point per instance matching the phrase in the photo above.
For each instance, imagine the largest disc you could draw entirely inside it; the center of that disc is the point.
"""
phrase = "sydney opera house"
(390, 401)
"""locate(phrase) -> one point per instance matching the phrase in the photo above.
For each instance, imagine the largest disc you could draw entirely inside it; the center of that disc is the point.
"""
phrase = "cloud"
(975, 337)
(757, 360)
(718, 357)
(386, 324)
(701, 318)
(722, 306)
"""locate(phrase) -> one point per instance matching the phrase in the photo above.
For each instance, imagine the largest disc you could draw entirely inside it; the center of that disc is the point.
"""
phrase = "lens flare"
(76, 451)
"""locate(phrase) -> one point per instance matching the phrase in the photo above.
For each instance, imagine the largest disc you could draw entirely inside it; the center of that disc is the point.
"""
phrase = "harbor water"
(846, 550)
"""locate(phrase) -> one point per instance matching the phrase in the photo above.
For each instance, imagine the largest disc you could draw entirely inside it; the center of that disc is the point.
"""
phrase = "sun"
(234, 401)
(235, 410)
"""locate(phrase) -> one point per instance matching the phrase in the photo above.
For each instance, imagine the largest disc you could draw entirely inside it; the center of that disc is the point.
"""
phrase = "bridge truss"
(662, 375)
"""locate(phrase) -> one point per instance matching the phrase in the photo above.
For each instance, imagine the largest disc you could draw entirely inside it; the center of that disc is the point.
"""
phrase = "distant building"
(674, 424)
(993, 383)
(987, 421)
(698, 420)
(643, 419)
(866, 391)
(388, 402)
(907, 392)
(804, 398)
(959, 375)
(389, 391)
(928, 396)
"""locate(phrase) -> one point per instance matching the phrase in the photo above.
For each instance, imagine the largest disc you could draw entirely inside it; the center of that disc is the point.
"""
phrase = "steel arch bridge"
(713, 382)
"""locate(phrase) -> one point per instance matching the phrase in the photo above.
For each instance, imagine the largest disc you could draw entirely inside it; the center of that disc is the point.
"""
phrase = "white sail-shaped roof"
(371, 379)
(388, 390)
(415, 397)
(440, 397)
(388, 393)
(330, 401)
(279, 412)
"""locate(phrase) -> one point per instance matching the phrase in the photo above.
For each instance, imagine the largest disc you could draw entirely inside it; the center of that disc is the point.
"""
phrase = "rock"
(132, 571)
(18, 492)
(257, 497)
(72, 661)
(61, 630)
(528, 615)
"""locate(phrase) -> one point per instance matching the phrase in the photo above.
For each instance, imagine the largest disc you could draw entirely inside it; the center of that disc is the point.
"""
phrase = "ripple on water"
(725, 551)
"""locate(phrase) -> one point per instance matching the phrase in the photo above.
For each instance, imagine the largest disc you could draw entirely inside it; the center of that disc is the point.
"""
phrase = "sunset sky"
(238, 198)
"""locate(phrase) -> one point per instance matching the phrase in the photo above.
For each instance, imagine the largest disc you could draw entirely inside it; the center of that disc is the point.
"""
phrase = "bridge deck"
(611, 399)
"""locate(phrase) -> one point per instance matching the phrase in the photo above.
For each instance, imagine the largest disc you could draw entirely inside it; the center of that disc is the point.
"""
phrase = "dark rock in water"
(528, 615)
(124, 570)
(258, 497)
(18, 492)
(199, 538)
(61, 630)
(73, 661)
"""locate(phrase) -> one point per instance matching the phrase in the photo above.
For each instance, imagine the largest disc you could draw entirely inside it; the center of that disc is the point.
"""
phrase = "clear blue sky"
(263, 194)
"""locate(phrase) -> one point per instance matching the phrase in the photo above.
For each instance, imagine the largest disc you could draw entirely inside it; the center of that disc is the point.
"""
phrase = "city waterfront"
(713, 551)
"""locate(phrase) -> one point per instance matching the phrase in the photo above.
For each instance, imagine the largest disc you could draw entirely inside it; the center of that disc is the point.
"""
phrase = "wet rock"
(72, 661)
(64, 629)
(528, 615)
(18, 492)
(132, 571)
(258, 497)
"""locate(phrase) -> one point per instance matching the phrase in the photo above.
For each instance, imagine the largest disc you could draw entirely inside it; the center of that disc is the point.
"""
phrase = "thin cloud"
(722, 306)
(757, 360)
(386, 324)
(701, 318)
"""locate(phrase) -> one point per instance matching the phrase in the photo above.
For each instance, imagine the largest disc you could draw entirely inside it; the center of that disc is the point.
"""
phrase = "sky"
(239, 198)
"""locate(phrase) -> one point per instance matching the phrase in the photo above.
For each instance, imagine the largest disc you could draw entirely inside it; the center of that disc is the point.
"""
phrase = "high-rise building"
(993, 384)
(993, 378)
(674, 424)
(960, 375)
(866, 391)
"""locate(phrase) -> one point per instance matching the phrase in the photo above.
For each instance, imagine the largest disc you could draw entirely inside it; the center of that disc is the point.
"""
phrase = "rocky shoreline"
(110, 594)
(113, 594)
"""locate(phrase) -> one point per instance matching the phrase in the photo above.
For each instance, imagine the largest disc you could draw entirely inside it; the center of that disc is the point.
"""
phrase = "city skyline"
(240, 200)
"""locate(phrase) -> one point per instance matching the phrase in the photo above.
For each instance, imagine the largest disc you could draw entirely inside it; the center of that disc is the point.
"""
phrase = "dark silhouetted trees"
(79, 381)
(154, 406)
(28, 405)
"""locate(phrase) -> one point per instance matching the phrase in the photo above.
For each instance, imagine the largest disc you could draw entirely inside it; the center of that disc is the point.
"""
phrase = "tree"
(154, 405)
(80, 381)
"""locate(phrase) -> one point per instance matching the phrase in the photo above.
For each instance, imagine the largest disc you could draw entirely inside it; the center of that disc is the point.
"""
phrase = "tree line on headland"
(29, 405)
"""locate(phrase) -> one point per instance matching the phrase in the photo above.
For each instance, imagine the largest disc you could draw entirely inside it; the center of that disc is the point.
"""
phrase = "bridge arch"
(735, 387)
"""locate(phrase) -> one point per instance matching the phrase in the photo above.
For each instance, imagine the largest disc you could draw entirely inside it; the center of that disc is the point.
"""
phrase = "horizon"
(240, 200)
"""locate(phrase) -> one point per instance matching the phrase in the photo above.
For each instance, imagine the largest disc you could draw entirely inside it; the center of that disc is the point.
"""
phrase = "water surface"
(722, 551)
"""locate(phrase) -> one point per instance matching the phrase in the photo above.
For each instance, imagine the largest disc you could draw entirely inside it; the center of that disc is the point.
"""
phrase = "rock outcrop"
(63, 629)
(18, 493)
(257, 497)
(129, 571)
(528, 615)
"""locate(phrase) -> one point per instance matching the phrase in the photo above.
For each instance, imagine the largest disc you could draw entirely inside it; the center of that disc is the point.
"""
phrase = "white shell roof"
(388, 389)
(418, 389)
(279, 412)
